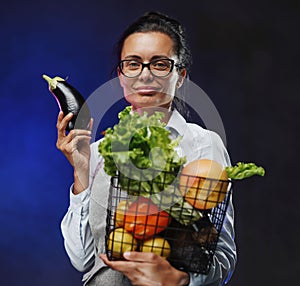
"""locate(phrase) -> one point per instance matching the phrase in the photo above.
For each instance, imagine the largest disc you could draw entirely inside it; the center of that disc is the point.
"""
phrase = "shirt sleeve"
(224, 259)
(75, 228)
(78, 240)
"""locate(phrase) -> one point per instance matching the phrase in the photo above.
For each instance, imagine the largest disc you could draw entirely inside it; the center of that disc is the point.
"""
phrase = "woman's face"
(147, 90)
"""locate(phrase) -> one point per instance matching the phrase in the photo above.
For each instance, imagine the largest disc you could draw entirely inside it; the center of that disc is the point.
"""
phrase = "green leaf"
(244, 170)
(140, 140)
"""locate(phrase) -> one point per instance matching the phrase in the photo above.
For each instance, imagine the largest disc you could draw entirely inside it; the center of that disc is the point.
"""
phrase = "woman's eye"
(160, 65)
(133, 65)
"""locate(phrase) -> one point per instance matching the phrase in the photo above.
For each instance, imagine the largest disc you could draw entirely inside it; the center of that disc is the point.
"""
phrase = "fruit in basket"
(120, 212)
(157, 245)
(121, 241)
(204, 183)
(143, 218)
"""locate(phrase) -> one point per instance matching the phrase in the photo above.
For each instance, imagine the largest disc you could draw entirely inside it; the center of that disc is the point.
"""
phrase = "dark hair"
(159, 22)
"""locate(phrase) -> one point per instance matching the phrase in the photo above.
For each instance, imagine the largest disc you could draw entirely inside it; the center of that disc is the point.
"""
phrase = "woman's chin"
(148, 101)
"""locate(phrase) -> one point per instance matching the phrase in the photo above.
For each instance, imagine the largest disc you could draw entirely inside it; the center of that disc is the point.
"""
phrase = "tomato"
(144, 219)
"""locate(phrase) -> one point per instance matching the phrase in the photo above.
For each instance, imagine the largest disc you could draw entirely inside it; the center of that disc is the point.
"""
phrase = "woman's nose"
(146, 74)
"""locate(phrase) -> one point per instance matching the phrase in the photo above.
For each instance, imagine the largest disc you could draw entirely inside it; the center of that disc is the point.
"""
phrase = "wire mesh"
(160, 212)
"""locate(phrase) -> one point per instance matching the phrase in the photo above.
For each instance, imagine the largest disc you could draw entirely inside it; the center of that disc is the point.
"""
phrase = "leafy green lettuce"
(139, 150)
(139, 141)
(244, 170)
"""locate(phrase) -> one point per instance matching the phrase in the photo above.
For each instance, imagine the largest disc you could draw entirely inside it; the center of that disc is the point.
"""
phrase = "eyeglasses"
(158, 68)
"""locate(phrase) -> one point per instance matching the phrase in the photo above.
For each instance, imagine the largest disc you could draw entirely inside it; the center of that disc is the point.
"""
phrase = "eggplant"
(69, 99)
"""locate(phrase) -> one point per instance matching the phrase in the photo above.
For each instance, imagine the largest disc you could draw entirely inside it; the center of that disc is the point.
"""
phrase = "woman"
(154, 60)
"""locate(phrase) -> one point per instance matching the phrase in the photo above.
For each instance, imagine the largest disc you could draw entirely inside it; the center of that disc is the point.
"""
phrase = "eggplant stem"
(52, 81)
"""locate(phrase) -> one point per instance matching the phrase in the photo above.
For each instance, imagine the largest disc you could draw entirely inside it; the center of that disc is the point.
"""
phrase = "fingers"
(130, 269)
(60, 116)
(118, 265)
(91, 124)
(75, 144)
(141, 268)
(135, 256)
(142, 257)
(69, 143)
(62, 122)
(104, 258)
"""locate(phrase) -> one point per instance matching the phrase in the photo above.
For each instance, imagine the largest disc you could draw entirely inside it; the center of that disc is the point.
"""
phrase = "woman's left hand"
(145, 269)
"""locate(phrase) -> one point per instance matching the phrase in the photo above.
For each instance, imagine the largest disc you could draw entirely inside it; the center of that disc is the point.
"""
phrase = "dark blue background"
(244, 59)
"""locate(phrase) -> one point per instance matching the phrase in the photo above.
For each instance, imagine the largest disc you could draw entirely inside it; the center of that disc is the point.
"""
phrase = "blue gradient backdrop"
(243, 59)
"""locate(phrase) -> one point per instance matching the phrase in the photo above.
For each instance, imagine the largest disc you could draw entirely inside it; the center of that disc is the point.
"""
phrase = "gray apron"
(100, 274)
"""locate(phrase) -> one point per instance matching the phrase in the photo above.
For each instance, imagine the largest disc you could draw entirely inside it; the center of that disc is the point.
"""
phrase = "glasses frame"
(148, 66)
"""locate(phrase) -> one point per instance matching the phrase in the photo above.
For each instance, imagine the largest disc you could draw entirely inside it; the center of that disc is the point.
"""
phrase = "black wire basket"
(178, 217)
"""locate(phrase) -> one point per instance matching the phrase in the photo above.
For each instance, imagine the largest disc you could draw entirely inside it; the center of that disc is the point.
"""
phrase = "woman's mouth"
(146, 90)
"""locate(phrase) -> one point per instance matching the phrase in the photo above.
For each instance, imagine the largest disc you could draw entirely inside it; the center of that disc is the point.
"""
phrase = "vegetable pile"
(140, 150)
(162, 190)
(140, 222)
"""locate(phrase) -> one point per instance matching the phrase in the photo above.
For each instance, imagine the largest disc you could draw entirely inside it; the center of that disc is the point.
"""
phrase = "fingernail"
(126, 254)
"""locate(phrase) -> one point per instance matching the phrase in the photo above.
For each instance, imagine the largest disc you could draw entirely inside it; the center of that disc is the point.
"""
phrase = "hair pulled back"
(159, 22)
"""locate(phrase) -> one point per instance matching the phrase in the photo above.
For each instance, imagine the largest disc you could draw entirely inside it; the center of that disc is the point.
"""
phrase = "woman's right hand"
(76, 147)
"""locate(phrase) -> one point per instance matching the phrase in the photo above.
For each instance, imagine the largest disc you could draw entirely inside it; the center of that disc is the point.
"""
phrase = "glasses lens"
(161, 67)
(131, 68)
